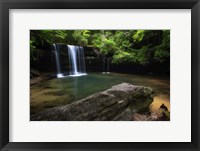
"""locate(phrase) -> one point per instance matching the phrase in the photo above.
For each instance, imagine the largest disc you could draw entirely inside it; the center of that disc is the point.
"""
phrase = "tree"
(81, 37)
(131, 46)
(162, 51)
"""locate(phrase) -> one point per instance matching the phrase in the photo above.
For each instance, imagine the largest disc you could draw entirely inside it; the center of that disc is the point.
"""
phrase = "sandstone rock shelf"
(118, 103)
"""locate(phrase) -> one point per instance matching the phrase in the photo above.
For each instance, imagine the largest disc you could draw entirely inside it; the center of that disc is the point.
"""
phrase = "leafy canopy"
(133, 46)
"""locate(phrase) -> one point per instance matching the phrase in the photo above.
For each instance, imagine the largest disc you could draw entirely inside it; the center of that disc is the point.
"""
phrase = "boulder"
(161, 115)
(117, 103)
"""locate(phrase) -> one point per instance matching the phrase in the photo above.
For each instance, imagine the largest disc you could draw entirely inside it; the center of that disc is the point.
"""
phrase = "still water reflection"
(66, 90)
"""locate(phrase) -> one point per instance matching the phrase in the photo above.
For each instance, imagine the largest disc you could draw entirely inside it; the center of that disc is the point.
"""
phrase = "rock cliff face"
(119, 103)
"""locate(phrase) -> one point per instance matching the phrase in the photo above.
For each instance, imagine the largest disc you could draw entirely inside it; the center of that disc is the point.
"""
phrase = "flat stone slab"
(119, 103)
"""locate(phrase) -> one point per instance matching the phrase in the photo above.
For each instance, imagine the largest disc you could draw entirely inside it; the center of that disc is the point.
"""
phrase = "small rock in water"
(161, 115)
(164, 107)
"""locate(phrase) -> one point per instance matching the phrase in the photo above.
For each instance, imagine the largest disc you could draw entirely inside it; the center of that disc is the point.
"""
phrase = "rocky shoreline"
(122, 102)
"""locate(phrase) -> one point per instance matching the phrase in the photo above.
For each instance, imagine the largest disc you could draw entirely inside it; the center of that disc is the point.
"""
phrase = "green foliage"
(81, 37)
(122, 39)
(60, 35)
(32, 50)
(42, 38)
(123, 56)
(97, 40)
(133, 46)
(139, 35)
(162, 51)
(32, 44)
(142, 56)
(105, 43)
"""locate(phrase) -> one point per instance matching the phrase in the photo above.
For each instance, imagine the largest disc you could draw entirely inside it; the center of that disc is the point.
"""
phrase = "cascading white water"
(81, 59)
(76, 60)
(73, 59)
(57, 58)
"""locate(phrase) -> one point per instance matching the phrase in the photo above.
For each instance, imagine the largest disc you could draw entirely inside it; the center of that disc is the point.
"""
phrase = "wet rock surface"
(42, 77)
(161, 115)
(119, 103)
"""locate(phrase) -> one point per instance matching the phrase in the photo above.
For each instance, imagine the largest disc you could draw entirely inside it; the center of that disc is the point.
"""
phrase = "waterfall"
(72, 59)
(81, 59)
(57, 58)
(76, 60)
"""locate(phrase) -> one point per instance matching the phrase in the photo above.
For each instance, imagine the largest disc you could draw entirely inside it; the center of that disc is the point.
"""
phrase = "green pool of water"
(66, 90)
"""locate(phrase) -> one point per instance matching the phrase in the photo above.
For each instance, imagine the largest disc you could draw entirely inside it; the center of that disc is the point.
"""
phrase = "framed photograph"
(99, 75)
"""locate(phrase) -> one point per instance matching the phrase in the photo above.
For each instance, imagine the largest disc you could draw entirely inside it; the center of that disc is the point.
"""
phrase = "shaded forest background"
(144, 50)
